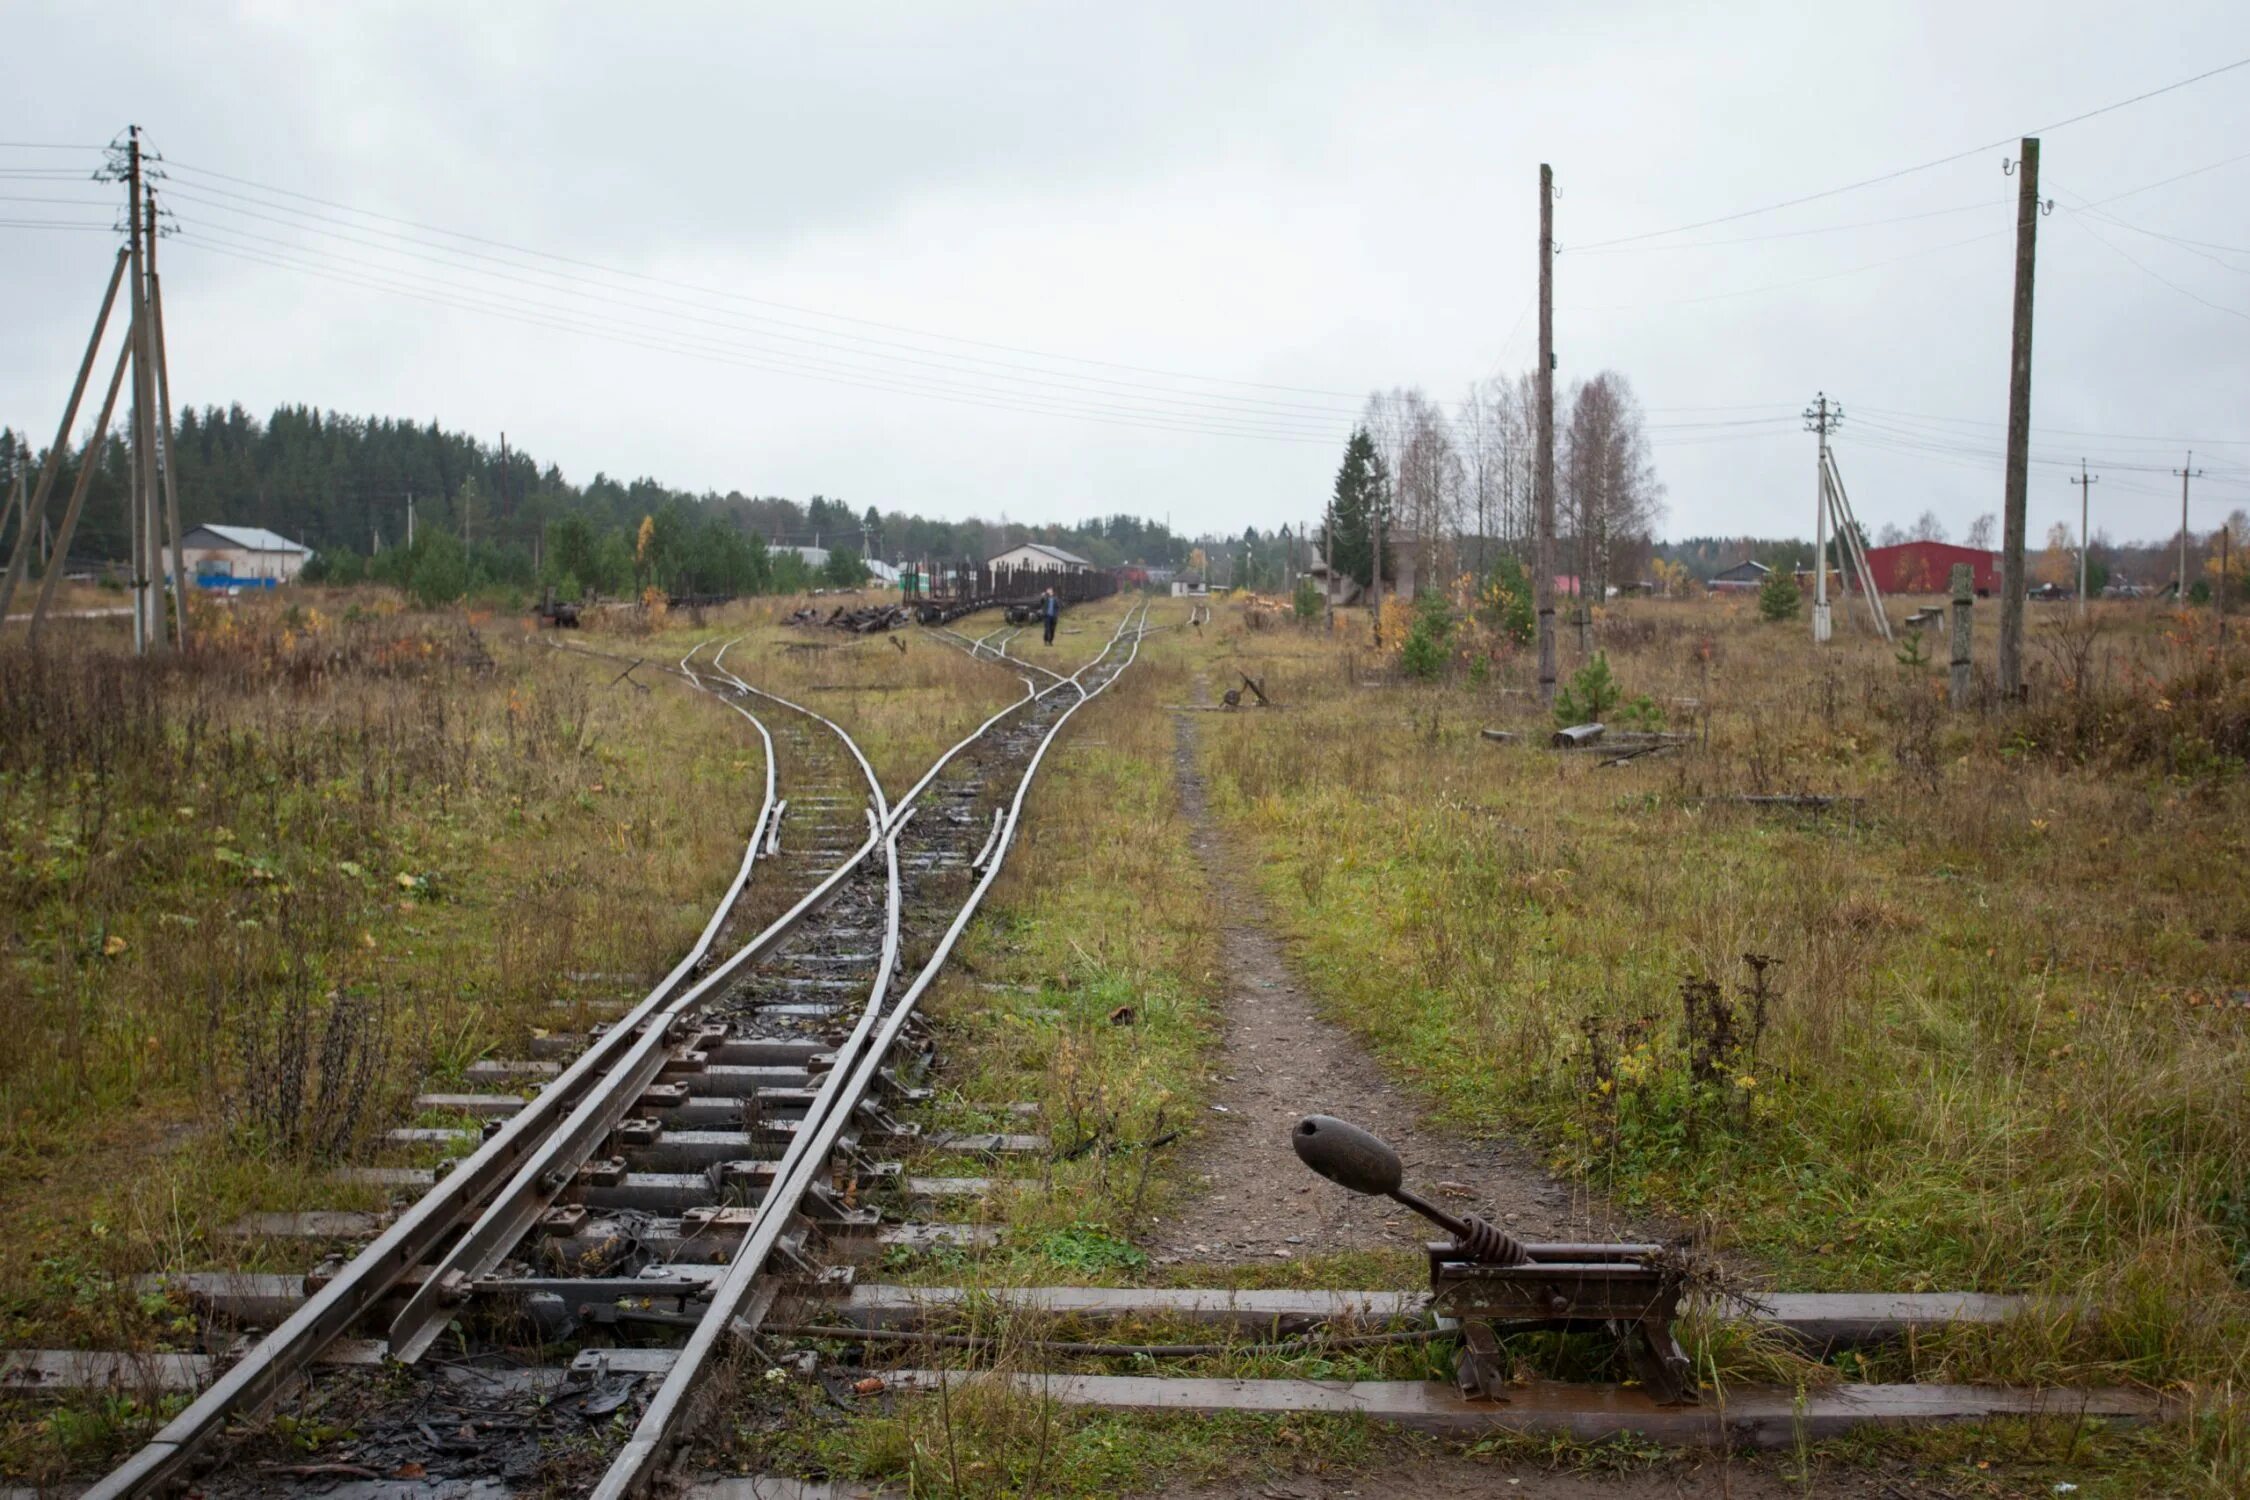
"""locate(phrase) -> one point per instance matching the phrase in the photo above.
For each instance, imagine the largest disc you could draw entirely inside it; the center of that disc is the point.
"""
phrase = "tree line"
(484, 518)
(1450, 491)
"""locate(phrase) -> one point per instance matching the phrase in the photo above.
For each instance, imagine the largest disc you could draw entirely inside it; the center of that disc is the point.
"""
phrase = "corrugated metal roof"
(1070, 559)
(250, 538)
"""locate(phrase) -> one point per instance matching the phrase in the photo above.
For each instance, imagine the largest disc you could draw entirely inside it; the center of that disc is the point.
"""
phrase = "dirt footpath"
(1282, 1060)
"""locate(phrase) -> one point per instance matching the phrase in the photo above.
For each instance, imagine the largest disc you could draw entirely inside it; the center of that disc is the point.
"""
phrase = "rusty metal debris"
(1495, 1284)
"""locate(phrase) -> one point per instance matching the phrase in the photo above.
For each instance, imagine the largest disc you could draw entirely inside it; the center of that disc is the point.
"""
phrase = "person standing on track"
(1049, 608)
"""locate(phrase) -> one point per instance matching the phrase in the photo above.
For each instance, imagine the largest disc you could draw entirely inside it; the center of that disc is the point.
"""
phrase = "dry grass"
(2009, 1049)
(252, 898)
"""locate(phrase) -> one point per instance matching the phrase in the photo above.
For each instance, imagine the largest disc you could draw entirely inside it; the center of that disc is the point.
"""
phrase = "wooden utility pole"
(59, 560)
(18, 500)
(2019, 423)
(1376, 505)
(20, 562)
(1964, 600)
(2191, 471)
(2085, 483)
(1543, 470)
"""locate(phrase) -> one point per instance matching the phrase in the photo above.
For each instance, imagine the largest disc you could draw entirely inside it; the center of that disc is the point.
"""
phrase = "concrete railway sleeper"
(705, 1090)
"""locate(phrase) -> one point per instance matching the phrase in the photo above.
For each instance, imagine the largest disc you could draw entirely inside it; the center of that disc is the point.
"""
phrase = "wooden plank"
(1749, 1417)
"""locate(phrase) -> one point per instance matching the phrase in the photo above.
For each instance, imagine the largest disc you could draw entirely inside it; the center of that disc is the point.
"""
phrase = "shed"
(1042, 558)
(1745, 577)
(220, 557)
(1927, 567)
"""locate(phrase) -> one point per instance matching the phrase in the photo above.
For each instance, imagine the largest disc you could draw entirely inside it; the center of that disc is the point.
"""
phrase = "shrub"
(1505, 601)
(1778, 596)
(1589, 695)
(1307, 600)
(1424, 653)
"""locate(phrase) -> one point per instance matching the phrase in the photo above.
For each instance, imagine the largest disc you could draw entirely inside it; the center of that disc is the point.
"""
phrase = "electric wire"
(743, 297)
(1893, 176)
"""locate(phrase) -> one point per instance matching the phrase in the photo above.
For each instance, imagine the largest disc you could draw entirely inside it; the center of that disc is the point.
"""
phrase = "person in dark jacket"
(1049, 608)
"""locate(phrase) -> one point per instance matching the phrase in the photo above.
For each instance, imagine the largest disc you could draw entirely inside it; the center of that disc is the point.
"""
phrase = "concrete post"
(1964, 599)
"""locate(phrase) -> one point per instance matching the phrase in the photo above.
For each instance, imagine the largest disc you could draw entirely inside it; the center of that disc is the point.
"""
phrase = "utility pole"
(136, 499)
(2019, 422)
(1543, 471)
(1821, 418)
(163, 389)
(1377, 506)
(2190, 472)
(410, 520)
(19, 562)
(2085, 483)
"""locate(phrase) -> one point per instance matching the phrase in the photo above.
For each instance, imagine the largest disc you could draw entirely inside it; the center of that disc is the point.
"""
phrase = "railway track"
(723, 1166)
(725, 1134)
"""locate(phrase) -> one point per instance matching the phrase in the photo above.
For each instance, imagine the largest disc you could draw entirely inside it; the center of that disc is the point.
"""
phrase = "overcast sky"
(1064, 260)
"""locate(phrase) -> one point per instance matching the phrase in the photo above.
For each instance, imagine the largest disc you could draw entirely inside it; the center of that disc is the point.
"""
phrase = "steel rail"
(511, 1213)
(882, 808)
(279, 1358)
(634, 1468)
(542, 1178)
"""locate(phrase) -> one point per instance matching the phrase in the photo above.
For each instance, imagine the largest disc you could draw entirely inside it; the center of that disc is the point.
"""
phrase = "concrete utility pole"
(1820, 417)
(2085, 483)
(1543, 465)
(2190, 472)
(137, 451)
(2019, 422)
(163, 387)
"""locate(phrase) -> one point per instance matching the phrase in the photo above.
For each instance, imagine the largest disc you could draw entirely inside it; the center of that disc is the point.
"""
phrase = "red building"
(1927, 567)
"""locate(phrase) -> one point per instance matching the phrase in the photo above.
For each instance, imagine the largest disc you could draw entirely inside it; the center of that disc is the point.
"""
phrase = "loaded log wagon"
(938, 592)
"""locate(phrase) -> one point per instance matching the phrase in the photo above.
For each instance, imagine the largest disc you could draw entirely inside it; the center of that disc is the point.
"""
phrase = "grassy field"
(1994, 1036)
(253, 899)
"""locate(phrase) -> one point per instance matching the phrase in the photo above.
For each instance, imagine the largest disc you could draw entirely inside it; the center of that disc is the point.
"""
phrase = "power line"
(720, 356)
(755, 301)
(1893, 176)
(1295, 419)
(1785, 234)
(701, 315)
(2080, 220)
(2167, 441)
(1782, 286)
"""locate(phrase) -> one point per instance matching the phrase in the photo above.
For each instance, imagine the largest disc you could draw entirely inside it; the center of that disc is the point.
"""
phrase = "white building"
(240, 556)
(1040, 557)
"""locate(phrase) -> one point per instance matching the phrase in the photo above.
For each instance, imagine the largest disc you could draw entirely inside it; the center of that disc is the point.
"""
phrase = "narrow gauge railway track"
(671, 1177)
